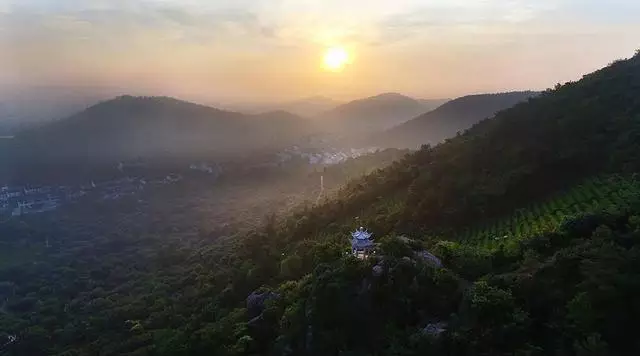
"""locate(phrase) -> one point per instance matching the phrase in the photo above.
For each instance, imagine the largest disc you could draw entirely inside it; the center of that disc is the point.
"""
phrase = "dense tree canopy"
(291, 288)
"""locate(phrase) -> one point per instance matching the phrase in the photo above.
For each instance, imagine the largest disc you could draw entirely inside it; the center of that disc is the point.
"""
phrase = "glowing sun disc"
(336, 58)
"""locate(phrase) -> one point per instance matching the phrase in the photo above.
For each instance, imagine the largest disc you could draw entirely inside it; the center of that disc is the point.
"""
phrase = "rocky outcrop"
(256, 302)
(427, 256)
(377, 270)
(435, 329)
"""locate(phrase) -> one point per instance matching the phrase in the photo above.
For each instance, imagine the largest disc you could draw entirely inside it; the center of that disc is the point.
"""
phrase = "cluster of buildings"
(205, 168)
(16, 201)
(328, 157)
(114, 189)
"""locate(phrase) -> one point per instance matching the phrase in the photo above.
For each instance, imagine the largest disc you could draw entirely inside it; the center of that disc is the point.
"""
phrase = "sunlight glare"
(336, 58)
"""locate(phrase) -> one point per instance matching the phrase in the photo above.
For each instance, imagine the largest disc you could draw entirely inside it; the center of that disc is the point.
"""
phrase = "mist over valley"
(283, 178)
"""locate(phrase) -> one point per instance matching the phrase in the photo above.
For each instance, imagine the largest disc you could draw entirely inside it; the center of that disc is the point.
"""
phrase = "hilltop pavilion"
(361, 243)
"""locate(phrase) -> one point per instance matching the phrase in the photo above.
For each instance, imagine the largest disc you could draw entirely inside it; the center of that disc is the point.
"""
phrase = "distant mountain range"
(130, 126)
(311, 106)
(371, 114)
(322, 106)
(430, 104)
(133, 127)
(305, 107)
(22, 108)
(445, 121)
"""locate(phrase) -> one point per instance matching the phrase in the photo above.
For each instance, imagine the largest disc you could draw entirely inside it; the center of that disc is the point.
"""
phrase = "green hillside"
(550, 143)
(556, 171)
(530, 154)
(446, 120)
(589, 197)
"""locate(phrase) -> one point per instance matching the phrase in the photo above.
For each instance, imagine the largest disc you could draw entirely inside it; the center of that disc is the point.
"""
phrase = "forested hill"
(130, 126)
(551, 141)
(567, 286)
(446, 120)
(503, 301)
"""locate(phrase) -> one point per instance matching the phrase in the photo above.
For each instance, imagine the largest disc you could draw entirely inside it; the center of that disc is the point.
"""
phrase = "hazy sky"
(272, 49)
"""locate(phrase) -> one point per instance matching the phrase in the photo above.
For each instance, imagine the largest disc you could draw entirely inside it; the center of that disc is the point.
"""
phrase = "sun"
(336, 58)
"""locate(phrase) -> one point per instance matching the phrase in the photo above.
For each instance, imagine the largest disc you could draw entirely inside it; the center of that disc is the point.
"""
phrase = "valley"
(131, 178)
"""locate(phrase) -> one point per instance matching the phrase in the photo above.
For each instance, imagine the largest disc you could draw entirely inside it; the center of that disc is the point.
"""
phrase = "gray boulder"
(256, 302)
(427, 256)
(434, 329)
(377, 270)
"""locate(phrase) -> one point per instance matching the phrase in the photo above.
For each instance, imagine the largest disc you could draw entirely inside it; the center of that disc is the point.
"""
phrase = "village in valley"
(17, 200)
(327, 156)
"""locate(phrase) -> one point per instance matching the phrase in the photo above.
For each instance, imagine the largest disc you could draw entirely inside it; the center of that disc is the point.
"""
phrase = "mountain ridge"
(553, 126)
(371, 114)
(451, 117)
(132, 126)
(564, 284)
(553, 279)
(304, 107)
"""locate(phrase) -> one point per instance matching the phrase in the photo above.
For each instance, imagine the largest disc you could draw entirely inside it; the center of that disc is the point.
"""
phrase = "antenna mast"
(321, 189)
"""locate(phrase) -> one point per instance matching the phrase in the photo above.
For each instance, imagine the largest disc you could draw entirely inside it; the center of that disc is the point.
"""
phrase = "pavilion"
(361, 243)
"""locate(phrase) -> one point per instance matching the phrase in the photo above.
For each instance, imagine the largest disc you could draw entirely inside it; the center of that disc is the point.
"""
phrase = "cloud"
(123, 21)
(253, 23)
(461, 16)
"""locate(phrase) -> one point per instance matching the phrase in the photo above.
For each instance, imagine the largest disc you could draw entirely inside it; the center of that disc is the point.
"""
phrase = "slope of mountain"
(431, 104)
(293, 288)
(36, 106)
(553, 289)
(370, 114)
(305, 107)
(157, 126)
(445, 121)
(309, 107)
(277, 115)
(550, 141)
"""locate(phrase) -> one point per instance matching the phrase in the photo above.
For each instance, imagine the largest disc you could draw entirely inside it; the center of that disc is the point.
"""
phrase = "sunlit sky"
(273, 49)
